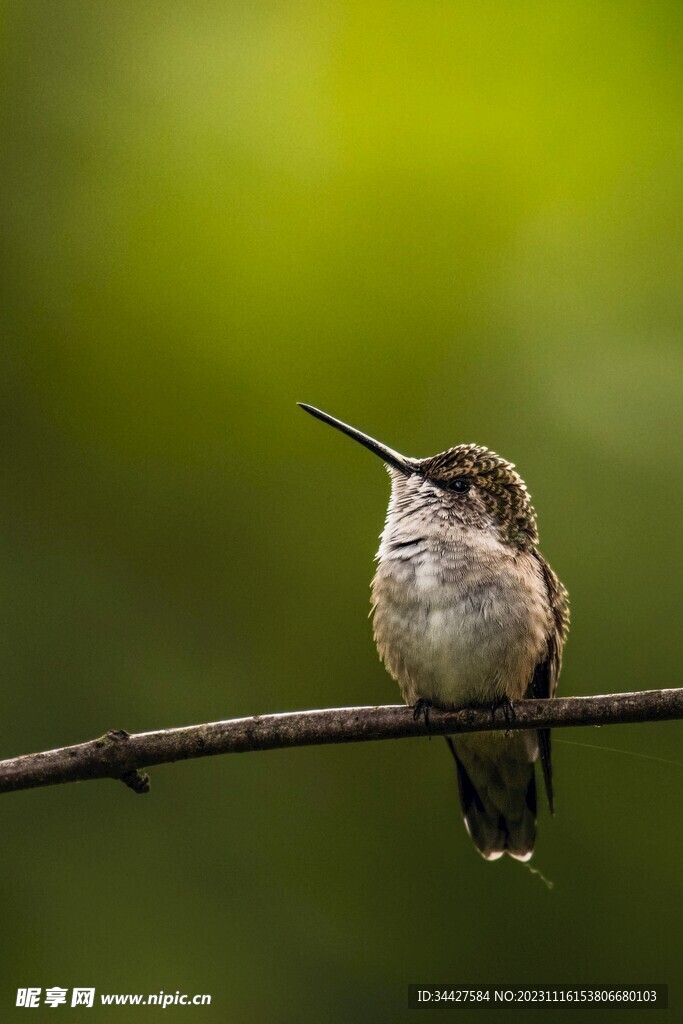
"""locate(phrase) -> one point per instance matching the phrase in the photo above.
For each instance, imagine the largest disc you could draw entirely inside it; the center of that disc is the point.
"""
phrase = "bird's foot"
(508, 707)
(422, 708)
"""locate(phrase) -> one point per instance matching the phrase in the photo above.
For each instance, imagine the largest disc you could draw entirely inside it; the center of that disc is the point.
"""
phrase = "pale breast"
(459, 621)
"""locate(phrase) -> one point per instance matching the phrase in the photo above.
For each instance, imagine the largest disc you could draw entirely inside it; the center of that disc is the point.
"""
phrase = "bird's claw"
(509, 712)
(422, 708)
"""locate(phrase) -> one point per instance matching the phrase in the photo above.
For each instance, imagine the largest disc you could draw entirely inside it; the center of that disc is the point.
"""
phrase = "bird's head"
(470, 483)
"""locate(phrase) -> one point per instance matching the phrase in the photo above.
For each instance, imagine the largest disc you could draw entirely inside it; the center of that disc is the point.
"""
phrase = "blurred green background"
(441, 222)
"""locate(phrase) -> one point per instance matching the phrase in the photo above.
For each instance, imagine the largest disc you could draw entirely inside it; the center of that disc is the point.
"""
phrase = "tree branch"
(118, 755)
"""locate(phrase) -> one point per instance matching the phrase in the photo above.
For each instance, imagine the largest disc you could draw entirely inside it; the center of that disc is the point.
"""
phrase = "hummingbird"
(466, 611)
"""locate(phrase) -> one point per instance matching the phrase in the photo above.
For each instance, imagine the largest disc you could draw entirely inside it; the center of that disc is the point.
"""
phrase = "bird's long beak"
(388, 455)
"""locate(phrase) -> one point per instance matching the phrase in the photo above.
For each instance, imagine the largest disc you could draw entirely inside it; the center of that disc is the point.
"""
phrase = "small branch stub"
(120, 755)
(136, 780)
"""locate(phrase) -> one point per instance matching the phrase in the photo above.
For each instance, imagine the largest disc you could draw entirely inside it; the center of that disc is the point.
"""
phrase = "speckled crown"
(498, 483)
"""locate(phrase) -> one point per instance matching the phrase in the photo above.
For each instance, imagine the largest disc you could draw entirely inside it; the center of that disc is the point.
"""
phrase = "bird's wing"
(547, 671)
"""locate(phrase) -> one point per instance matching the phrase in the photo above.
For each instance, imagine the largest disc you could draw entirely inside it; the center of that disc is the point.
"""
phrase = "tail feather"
(497, 790)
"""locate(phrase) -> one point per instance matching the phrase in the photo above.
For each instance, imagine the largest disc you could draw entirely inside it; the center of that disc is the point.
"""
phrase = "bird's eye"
(460, 485)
